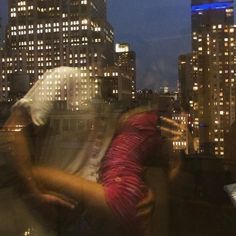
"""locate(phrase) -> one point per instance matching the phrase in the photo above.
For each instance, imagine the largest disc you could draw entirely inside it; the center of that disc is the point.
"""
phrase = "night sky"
(158, 30)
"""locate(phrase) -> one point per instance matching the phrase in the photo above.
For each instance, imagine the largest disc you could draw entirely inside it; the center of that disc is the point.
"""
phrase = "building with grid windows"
(42, 35)
(214, 73)
(119, 82)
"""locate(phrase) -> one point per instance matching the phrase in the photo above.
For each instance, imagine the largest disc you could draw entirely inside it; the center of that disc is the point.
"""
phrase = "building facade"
(214, 73)
(119, 82)
(42, 35)
(125, 59)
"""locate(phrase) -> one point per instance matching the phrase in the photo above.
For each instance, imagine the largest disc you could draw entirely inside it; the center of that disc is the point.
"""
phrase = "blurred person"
(120, 187)
(119, 195)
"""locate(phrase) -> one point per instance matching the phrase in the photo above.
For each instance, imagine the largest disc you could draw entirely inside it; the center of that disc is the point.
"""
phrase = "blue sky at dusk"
(157, 30)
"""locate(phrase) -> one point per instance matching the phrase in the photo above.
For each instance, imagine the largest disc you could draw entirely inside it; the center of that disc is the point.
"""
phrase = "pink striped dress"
(122, 168)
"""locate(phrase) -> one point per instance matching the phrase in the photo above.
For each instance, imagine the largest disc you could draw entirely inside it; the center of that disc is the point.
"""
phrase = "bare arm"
(19, 158)
(87, 192)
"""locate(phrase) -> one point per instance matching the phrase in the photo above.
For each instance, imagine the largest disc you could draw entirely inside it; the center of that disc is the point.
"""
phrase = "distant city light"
(212, 6)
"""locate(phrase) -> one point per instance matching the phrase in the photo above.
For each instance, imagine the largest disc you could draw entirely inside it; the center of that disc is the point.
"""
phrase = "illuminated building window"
(97, 29)
(84, 21)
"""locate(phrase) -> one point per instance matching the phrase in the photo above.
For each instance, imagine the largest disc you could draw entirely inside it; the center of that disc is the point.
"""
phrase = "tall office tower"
(116, 85)
(214, 73)
(185, 81)
(119, 80)
(125, 59)
(43, 34)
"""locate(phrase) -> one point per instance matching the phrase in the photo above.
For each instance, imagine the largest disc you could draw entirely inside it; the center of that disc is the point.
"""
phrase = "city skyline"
(42, 36)
(157, 46)
(106, 104)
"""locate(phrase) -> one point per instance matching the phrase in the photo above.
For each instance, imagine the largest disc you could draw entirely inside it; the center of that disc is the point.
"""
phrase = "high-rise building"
(214, 73)
(185, 81)
(119, 81)
(125, 59)
(206, 13)
(42, 35)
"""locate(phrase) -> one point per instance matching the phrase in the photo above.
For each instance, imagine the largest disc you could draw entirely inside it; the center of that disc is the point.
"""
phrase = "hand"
(45, 205)
(52, 199)
(48, 198)
(145, 208)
